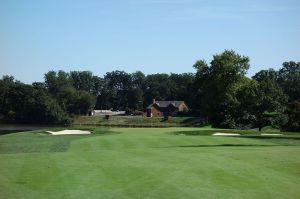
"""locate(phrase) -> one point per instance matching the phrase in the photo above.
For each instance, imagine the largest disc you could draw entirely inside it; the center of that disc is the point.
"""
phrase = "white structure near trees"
(106, 112)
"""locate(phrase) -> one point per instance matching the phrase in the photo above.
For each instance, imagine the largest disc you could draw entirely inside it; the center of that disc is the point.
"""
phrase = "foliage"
(219, 91)
(293, 113)
(73, 92)
(217, 84)
(289, 80)
(23, 103)
(261, 103)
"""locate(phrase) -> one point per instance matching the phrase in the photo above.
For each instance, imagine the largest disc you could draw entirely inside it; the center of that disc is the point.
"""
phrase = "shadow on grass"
(5, 132)
(194, 121)
(271, 141)
(235, 145)
(283, 137)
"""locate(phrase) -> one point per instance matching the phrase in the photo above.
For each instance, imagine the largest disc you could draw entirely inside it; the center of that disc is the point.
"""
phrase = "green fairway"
(148, 163)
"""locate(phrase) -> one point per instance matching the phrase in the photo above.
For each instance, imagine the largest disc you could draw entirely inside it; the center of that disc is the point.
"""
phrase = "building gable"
(165, 108)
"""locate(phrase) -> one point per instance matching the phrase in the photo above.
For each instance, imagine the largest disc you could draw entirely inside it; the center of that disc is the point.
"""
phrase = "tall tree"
(289, 80)
(157, 86)
(83, 80)
(136, 92)
(261, 103)
(293, 113)
(70, 90)
(217, 84)
(183, 88)
(23, 103)
(118, 83)
(56, 82)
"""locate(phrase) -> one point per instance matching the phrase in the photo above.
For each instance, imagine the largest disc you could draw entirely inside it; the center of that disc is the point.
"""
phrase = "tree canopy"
(219, 91)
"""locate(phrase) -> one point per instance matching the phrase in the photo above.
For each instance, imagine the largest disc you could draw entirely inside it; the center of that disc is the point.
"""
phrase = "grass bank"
(138, 121)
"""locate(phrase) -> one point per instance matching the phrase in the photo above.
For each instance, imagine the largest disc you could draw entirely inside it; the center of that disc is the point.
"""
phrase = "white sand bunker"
(271, 134)
(69, 132)
(226, 134)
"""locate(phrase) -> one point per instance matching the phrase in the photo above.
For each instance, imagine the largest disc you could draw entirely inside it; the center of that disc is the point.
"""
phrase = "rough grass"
(40, 141)
(138, 121)
(148, 163)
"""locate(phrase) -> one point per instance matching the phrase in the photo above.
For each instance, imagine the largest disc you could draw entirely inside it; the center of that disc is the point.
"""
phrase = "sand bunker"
(226, 134)
(69, 132)
(271, 134)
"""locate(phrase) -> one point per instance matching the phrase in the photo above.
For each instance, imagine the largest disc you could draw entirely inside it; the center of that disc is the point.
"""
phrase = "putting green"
(148, 163)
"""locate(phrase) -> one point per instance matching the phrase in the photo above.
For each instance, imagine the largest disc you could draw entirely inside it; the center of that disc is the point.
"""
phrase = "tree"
(98, 86)
(216, 86)
(157, 86)
(135, 93)
(118, 83)
(261, 101)
(23, 103)
(5, 83)
(83, 103)
(266, 75)
(74, 91)
(183, 87)
(289, 80)
(83, 80)
(293, 113)
(56, 82)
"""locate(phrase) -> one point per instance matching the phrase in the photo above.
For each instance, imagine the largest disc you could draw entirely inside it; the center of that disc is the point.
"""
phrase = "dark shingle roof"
(164, 104)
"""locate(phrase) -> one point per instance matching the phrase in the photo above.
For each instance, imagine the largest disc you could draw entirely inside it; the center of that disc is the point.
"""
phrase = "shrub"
(293, 114)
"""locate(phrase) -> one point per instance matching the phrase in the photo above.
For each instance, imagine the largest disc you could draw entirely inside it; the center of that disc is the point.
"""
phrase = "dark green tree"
(56, 82)
(261, 103)
(293, 113)
(183, 87)
(118, 84)
(216, 86)
(158, 86)
(289, 80)
(21, 103)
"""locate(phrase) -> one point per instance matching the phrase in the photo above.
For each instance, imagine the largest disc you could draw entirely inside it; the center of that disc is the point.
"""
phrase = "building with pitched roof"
(166, 108)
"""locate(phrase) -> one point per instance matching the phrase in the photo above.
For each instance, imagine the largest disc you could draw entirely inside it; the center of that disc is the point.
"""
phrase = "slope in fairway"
(147, 163)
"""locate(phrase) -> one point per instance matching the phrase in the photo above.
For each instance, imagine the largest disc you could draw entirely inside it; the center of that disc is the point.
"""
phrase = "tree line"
(219, 91)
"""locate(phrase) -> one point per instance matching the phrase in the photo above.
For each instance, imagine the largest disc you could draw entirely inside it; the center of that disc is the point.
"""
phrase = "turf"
(148, 163)
(139, 121)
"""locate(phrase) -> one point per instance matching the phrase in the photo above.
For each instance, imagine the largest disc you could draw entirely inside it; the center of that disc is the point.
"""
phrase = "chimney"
(153, 101)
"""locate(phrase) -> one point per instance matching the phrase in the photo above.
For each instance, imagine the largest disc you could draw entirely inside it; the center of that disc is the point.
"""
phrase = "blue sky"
(153, 36)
